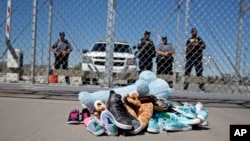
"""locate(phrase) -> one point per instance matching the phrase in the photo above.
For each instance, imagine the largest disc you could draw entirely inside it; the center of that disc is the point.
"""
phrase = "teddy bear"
(147, 83)
(142, 111)
(99, 107)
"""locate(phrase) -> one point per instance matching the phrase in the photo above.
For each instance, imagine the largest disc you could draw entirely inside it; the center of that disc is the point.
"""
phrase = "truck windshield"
(101, 47)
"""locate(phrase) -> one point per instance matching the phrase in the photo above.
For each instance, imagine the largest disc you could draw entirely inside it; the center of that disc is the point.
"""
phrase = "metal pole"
(110, 43)
(185, 38)
(242, 10)
(8, 29)
(34, 30)
(177, 39)
(49, 39)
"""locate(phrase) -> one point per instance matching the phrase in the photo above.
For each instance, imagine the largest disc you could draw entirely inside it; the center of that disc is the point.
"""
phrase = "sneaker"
(187, 111)
(84, 114)
(181, 118)
(204, 123)
(108, 121)
(95, 127)
(171, 125)
(136, 126)
(118, 111)
(202, 113)
(73, 117)
(158, 122)
(186, 104)
(153, 125)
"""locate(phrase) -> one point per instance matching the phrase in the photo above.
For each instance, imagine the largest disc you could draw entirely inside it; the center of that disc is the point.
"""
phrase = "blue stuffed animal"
(147, 83)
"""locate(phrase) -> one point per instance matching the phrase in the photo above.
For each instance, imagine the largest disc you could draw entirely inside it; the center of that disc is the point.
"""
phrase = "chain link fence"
(109, 48)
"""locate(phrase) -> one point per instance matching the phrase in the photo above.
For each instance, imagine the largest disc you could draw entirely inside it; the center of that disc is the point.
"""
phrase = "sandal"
(160, 105)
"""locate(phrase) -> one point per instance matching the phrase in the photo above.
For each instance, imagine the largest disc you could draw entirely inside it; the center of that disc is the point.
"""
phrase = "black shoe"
(67, 80)
(186, 84)
(202, 86)
(202, 89)
(122, 118)
(185, 88)
(170, 83)
(136, 126)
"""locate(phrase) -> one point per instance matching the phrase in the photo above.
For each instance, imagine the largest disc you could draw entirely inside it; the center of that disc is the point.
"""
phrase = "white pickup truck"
(124, 62)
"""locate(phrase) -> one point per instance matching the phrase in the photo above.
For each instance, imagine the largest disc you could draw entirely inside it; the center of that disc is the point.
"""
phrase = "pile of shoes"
(178, 118)
(132, 114)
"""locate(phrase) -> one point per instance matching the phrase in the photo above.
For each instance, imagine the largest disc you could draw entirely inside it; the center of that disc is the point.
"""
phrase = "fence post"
(49, 39)
(176, 40)
(34, 30)
(185, 38)
(242, 11)
(110, 43)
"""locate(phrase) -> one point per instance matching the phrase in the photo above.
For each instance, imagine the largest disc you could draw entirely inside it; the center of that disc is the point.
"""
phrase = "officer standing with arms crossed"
(194, 48)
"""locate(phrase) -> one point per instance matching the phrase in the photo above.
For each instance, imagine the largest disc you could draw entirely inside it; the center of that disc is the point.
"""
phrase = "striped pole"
(8, 19)
(9, 46)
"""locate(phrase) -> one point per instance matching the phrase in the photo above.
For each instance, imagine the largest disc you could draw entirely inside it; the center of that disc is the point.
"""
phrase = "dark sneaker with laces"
(118, 111)
(136, 126)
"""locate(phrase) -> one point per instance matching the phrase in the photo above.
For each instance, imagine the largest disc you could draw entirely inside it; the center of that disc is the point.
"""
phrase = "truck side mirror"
(85, 50)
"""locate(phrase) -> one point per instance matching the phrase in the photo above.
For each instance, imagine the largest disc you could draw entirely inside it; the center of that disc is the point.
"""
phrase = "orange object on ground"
(53, 79)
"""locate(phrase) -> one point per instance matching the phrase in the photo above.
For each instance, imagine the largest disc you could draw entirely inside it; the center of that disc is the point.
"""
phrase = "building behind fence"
(30, 27)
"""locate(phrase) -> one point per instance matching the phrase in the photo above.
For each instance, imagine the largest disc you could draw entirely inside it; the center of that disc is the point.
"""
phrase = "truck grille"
(117, 64)
(115, 58)
(101, 61)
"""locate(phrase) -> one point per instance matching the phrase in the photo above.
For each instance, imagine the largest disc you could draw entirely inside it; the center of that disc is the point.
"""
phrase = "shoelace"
(121, 109)
(189, 109)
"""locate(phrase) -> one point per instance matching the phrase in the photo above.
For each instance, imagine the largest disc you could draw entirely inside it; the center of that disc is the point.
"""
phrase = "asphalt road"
(38, 113)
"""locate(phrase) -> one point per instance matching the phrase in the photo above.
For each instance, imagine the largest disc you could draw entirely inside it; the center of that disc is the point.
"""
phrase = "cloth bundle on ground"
(147, 83)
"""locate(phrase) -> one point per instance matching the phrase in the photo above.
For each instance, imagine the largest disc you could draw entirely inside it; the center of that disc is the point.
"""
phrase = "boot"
(202, 86)
(185, 85)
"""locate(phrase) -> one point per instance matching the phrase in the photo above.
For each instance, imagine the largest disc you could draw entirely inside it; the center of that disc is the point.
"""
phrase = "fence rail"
(29, 29)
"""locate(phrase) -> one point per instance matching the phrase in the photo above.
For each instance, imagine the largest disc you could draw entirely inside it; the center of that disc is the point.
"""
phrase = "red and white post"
(8, 19)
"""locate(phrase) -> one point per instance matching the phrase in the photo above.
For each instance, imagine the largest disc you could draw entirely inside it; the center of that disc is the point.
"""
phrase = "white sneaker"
(199, 106)
(202, 113)
(204, 123)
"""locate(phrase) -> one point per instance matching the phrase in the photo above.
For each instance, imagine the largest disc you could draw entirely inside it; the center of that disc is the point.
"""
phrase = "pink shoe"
(86, 120)
(73, 117)
(85, 114)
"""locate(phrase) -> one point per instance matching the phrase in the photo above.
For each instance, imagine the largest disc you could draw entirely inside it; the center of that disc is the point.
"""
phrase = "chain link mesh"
(222, 25)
